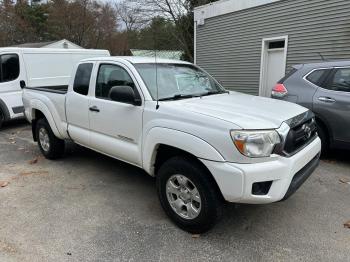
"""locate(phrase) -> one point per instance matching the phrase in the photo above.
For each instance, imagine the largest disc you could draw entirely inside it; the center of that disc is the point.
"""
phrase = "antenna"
(322, 57)
(155, 62)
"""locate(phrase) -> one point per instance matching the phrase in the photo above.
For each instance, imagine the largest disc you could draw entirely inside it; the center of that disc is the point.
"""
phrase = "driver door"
(116, 128)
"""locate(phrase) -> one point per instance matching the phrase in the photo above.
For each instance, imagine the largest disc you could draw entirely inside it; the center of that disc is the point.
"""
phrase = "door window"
(340, 80)
(9, 67)
(110, 76)
(82, 79)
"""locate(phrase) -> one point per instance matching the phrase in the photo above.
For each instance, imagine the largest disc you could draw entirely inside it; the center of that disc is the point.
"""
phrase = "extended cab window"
(82, 79)
(340, 81)
(9, 67)
(110, 76)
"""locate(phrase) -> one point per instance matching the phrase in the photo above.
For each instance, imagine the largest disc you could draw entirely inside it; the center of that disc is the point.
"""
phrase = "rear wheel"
(188, 195)
(50, 146)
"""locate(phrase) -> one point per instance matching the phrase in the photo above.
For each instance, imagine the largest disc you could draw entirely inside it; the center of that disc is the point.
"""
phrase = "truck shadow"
(338, 155)
(18, 123)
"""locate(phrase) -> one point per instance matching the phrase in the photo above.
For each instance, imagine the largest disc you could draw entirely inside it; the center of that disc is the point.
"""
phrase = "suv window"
(9, 67)
(110, 76)
(340, 81)
(317, 76)
(82, 79)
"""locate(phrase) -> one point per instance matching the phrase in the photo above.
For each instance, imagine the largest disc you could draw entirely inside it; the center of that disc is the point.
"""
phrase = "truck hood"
(246, 111)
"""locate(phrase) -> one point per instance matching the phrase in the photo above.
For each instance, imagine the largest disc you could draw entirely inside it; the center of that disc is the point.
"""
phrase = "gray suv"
(325, 89)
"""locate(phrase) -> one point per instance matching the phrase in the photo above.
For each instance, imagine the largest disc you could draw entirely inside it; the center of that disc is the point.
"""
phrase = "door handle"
(326, 99)
(94, 109)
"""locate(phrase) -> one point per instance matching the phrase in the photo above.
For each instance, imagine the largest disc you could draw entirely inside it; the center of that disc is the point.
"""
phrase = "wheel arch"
(5, 110)
(38, 112)
(159, 138)
(166, 152)
(326, 128)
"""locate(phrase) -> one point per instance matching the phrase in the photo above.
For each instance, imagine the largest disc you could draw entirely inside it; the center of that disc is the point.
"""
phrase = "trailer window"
(82, 79)
(9, 67)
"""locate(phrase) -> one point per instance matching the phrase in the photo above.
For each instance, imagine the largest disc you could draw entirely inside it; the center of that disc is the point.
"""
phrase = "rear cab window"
(82, 79)
(9, 67)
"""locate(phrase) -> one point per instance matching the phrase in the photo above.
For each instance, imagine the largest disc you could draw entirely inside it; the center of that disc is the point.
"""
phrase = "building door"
(273, 64)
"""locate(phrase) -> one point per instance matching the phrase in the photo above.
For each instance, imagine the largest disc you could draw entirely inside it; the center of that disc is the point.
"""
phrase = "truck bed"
(51, 100)
(61, 89)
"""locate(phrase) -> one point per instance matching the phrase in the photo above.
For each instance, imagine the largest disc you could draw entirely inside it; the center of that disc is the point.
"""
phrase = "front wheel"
(188, 195)
(50, 146)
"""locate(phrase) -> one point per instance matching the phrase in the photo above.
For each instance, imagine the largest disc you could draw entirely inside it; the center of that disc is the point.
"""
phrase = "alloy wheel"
(183, 196)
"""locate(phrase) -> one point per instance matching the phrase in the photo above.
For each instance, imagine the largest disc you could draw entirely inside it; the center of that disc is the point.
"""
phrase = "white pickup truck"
(203, 144)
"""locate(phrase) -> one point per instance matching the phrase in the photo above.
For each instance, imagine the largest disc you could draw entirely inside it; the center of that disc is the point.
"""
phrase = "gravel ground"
(88, 207)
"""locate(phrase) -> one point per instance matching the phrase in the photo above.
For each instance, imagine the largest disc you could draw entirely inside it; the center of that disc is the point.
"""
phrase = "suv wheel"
(187, 195)
(50, 146)
(324, 139)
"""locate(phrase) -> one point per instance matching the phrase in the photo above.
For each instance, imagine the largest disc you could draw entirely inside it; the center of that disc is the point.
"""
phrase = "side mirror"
(124, 94)
(22, 84)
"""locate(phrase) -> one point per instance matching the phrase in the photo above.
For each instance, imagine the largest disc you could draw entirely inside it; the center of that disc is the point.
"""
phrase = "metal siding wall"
(229, 46)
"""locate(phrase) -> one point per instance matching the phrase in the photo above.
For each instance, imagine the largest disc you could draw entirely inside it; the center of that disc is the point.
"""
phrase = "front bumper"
(286, 175)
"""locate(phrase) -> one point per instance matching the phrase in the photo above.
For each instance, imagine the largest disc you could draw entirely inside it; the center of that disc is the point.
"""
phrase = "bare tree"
(129, 14)
(178, 12)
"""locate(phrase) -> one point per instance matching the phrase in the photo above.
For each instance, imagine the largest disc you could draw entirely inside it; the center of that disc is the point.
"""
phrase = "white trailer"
(35, 67)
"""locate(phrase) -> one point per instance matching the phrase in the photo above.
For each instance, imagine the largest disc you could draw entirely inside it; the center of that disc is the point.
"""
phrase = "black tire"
(211, 199)
(324, 139)
(2, 117)
(56, 145)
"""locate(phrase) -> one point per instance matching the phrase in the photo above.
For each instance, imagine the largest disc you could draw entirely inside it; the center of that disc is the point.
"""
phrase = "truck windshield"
(177, 81)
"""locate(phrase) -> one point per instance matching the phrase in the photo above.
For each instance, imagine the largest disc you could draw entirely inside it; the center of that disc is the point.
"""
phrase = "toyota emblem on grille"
(307, 131)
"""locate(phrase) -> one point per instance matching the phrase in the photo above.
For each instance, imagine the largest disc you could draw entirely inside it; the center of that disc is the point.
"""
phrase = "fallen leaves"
(7, 247)
(12, 140)
(344, 181)
(4, 183)
(347, 224)
(33, 161)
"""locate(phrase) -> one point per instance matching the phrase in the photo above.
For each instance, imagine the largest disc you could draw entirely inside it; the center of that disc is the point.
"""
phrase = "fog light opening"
(261, 188)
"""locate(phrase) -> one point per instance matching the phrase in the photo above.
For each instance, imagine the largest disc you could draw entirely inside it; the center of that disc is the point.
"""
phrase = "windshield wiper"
(215, 92)
(176, 97)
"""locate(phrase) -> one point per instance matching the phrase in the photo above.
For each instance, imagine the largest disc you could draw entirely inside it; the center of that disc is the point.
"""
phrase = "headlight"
(255, 143)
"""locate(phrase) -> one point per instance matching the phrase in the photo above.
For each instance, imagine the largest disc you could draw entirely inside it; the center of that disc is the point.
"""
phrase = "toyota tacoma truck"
(203, 144)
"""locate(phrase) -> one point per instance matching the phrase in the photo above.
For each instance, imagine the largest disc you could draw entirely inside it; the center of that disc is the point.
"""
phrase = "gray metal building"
(249, 44)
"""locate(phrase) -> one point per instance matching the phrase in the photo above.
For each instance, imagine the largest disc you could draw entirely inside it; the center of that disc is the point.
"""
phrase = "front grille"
(299, 136)
(302, 130)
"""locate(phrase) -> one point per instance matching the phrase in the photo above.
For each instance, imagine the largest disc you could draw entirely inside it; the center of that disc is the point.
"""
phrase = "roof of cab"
(137, 60)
